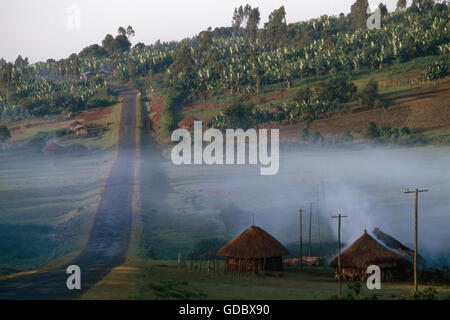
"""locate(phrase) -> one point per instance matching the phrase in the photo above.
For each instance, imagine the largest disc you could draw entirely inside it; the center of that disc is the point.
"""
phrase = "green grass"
(47, 203)
(161, 279)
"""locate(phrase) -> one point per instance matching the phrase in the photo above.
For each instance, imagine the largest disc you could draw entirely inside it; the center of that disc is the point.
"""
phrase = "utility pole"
(318, 231)
(339, 216)
(310, 223)
(416, 200)
(300, 211)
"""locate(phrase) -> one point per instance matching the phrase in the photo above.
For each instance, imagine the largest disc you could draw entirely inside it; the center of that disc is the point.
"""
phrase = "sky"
(42, 29)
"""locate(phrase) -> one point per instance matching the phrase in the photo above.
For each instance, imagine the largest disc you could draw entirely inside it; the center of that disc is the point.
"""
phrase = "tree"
(130, 32)
(303, 95)
(423, 5)
(369, 94)
(4, 134)
(383, 9)
(108, 43)
(358, 14)
(183, 61)
(371, 131)
(92, 51)
(239, 116)
(122, 31)
(121, 43)
(6, 77)
(401, 5)
(21, 63)
(275, 30)
(238, 17)
(206, 38)
(253, 22)
(75, 70)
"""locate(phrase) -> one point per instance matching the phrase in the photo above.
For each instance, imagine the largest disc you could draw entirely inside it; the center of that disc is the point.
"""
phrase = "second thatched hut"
(254, 249)
(366, 251)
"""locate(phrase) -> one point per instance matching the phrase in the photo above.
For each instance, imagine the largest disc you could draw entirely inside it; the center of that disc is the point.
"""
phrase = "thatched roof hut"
(80, 130)
(75, 124)
(187, 123)
(366, 251)
(253, 249)
(398, 247)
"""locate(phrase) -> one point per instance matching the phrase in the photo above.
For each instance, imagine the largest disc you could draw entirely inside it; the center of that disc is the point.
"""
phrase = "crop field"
(47, 202)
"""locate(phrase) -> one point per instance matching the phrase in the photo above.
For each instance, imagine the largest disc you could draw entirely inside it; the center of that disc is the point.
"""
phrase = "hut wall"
(387, 274)
(233, 264)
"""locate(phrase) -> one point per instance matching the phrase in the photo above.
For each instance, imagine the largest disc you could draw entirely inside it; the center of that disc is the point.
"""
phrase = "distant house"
(253, 249)
(187, 123)
(366, 251)
(74, 124)
(87, 75)
(81, 130)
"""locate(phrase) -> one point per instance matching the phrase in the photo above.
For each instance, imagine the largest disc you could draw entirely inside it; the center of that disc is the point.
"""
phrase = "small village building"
(87, 75)
(254, 249)
(81, 130)
(366, 251)
(187, 123)
(74, 124)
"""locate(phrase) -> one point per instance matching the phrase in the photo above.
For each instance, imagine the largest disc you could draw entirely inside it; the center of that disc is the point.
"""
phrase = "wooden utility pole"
(309, 238)
(416, 200)
(300, 211)
(318, 233)
(339, 216)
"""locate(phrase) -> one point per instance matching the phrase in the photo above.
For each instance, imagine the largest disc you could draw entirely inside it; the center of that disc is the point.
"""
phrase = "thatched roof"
(187, 122)
(396, 245)
(75, 123)
(79, 127)
(367, 251)
(254, 242)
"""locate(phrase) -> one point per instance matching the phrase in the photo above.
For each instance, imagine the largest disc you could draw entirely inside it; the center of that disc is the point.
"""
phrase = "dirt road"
(110, 233)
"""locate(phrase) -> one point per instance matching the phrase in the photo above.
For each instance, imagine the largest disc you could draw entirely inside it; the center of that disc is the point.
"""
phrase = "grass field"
(47, 202)
(164, 280)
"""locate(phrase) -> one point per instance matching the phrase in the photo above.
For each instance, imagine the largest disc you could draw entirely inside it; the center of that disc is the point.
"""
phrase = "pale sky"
(38, 29)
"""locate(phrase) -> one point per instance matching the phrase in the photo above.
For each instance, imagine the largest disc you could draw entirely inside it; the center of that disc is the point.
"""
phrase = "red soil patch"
(156, 109)
(95, 115)
(426, 108)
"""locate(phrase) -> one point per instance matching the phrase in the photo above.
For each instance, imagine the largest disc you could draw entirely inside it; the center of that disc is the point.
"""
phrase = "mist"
(366, 185)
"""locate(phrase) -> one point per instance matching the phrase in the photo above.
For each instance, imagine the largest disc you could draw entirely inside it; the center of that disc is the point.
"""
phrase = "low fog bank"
(365, 185)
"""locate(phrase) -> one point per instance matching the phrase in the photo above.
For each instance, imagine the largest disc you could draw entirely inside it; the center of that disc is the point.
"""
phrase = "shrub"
(438, 70)
(369, 96)
(371, 131)
(425, 294)
(4, 134)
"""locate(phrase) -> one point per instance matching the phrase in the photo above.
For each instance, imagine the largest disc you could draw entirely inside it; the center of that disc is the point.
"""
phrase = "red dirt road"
(109, 238)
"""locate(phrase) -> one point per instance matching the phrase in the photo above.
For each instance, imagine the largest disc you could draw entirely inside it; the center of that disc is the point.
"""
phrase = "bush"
(337, 90)
(4, 134)
(369, 96)
(438, 70)
(239, 116)
(371, 131)
(425, 294)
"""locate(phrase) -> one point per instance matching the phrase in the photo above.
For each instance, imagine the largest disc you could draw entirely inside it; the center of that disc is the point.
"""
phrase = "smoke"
(365, 185)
